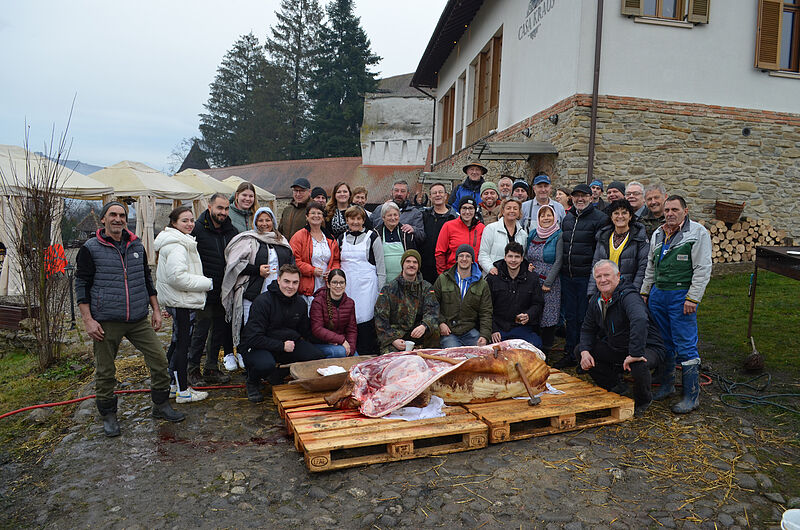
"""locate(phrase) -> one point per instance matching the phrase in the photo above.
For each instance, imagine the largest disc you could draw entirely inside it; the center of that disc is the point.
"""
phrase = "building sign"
(537, 10)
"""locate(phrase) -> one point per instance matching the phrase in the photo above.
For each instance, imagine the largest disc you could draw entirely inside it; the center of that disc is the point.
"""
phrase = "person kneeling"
(276, 331)
(465, 303)
(618, 335)
(333, 317)
(407, 309)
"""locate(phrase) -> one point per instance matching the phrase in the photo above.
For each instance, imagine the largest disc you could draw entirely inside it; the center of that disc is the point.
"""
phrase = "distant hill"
(78, 166)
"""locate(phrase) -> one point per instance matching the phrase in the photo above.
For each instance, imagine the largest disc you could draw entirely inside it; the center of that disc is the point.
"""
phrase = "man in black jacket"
(276, 332)
(578, 234)
(433, 219)
(619, 336)
(213, 231)
(516, 298)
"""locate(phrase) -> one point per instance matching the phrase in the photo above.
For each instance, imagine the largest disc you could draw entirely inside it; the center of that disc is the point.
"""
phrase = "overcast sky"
(139, 70)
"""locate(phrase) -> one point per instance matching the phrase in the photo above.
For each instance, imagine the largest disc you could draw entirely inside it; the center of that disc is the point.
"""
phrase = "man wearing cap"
(407, 309)
(490, 204)
(597, 194)
(320, 196)
(634, 194)
(471, 187)
(530, 209)
(578, 236)
(115, 291)
(615, 192)
(465, 303)
(505, 186)
(434, 219)
(520, 190)
(410, 215)
(466, 229)
(293, 217)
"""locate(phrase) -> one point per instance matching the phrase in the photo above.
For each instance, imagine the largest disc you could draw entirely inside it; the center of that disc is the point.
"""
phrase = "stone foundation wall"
(698, 151)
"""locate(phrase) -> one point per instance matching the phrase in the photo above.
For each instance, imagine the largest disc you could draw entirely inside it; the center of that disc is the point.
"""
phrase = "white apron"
(362, 277)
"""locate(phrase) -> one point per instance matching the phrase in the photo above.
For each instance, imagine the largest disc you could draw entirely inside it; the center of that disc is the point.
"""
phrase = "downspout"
(598, 39)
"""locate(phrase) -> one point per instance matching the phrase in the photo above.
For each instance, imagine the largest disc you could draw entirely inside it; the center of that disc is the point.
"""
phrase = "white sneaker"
(240, 360)
(230, 362)
(173, 389)
(190, 395)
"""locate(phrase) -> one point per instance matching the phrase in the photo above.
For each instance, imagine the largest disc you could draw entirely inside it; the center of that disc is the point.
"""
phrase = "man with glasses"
(293, 217)
(634, 194)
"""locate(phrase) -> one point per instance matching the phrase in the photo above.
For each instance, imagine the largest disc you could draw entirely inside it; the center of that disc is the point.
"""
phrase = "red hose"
(77, 400)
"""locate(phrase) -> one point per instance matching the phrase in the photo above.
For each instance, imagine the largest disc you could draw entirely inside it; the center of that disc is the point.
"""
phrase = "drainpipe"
(598, 39)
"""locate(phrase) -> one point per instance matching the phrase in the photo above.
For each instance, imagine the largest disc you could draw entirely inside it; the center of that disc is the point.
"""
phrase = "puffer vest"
(118, 291)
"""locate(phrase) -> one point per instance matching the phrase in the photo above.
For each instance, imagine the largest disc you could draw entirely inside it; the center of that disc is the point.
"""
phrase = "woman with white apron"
(395, 240)
(361, 255)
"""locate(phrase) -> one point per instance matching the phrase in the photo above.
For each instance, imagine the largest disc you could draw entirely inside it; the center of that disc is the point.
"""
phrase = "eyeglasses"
(632, 193)
(337, 283)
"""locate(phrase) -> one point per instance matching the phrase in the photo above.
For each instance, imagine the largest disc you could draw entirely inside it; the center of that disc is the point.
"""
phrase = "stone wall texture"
(703, 152)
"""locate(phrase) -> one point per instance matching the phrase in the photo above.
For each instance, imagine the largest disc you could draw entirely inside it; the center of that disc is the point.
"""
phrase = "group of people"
(483, 263)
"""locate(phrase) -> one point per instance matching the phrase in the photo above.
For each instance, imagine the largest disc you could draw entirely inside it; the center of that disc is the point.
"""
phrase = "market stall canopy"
(200, 181)
(13, 160)
(262, 194)
(134, 179)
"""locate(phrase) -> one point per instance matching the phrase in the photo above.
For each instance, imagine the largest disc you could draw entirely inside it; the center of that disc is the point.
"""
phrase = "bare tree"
(35, 198)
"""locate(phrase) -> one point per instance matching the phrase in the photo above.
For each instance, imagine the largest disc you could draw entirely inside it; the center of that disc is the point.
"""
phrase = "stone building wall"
(698, 151)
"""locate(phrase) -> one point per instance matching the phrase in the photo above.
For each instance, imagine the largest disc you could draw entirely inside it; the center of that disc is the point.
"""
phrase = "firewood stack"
(736, 242)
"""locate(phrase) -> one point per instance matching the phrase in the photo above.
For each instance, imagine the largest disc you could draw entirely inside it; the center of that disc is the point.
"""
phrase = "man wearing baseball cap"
(471, 187)
(530, 209)
(578, 235)
(293, 217)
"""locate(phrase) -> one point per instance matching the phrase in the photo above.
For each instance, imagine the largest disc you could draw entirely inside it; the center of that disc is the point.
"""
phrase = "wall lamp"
(553, 119)
(526, 132)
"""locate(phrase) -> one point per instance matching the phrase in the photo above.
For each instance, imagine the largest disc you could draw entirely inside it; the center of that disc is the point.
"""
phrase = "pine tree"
(294, 47)
(246, 108)
(340, 80)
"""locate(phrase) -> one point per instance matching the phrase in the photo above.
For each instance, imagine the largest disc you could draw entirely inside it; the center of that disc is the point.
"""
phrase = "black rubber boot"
(666, 378)
(254, 392)
(108, 413)
(162, 409)
(691, 390)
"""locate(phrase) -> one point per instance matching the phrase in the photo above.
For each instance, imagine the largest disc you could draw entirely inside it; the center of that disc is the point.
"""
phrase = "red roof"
(278, 176)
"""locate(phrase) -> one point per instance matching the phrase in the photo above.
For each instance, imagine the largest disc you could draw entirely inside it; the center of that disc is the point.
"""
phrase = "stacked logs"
(736, 242)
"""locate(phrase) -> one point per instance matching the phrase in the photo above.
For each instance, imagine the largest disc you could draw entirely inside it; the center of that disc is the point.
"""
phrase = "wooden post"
(752, 301)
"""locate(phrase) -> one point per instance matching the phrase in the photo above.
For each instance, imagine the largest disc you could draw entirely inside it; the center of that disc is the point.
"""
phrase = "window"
(778, 35)
(694, 11)
(447, 106)
(485, 90)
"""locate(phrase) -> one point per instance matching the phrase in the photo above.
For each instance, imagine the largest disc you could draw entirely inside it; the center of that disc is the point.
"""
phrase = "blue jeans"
(524, 333)
(470, 338)
(679, 331)
(574, 300)
(333, 350)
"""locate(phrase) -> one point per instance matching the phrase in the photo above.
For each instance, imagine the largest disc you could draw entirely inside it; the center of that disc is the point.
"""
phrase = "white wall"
(396, 131)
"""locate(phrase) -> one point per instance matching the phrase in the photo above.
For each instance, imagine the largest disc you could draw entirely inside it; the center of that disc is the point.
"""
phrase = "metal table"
(777, 260)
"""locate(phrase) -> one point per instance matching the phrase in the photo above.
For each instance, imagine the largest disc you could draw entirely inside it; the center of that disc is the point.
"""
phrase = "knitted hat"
(618, 185)
(465, 248)
(521, 184)
(109, 205)
(489, 186)
(467, 200)
(410, 253)
(316, 192)
(598, 183)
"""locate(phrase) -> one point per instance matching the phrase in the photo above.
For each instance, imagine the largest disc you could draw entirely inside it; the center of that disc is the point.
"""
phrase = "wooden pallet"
(337, 439)
(583, 405)
(295, 397)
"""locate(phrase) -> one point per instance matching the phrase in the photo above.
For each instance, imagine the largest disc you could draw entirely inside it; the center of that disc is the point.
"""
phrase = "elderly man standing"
(434, 219)
(410, 216)
(471, 187)
(654, 196)
(505, 186)
(114, 293)
(634, 193)
(530, 209)
(618, 336)
(678, 271)
(293, 217)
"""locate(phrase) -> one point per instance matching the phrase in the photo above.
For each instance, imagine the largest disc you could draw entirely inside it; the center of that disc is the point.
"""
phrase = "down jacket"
(579, 230)
(344, 320)
(632, 260)
(211, 243)
(274, 319)
(179, 275)
(494, 241)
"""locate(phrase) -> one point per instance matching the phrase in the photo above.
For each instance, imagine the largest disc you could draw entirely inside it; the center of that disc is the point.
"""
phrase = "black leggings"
(261, 364)
(179, 354)
(367, 342)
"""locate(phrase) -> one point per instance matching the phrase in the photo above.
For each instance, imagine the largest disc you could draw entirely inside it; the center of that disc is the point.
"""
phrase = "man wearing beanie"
(490, 203)
(319, 195)
(597, 194)
(615, 192)
(465, 303)
(115, 291)
(407, 309)
(466, 229)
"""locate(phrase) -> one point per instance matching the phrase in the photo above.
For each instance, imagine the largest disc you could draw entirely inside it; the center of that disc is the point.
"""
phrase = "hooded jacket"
(463, 313)
(627, 328)
(344, 320)
(512, 296)
(402, 305)
(578, 233)
(211, 243)
(453, 234)
(179, 274)
(274, 319)
(632, 259)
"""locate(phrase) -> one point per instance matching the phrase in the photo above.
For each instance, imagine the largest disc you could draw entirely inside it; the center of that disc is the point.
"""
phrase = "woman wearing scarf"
(544, 253)
(252, 260)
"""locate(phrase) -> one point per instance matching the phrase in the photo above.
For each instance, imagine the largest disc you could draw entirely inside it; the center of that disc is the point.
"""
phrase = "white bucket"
(791, 520)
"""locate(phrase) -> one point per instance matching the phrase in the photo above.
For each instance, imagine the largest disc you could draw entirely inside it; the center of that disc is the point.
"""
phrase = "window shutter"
(497, 53)
(633, 7)
(698, 11)
(768, 34)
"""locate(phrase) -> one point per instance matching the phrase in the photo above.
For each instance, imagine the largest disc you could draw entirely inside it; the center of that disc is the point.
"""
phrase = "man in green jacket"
(465, 302)
(406, 309)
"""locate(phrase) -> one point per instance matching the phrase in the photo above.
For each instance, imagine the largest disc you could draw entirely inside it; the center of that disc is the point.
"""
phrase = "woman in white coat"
(499, 234)
(181, 285)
